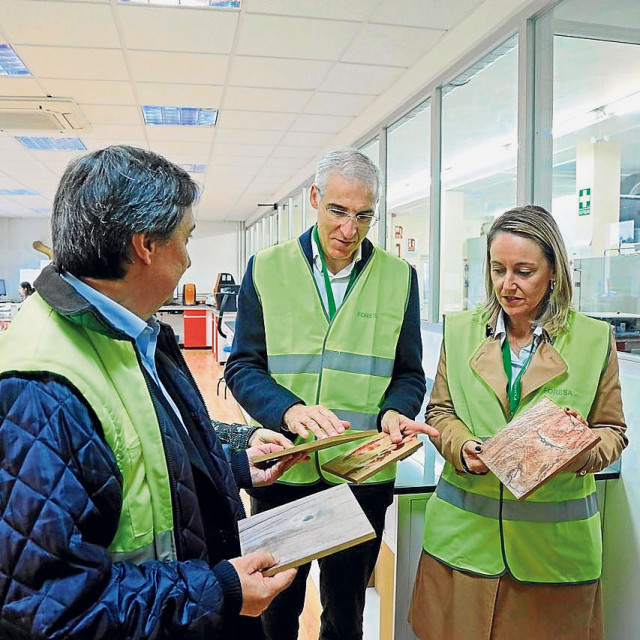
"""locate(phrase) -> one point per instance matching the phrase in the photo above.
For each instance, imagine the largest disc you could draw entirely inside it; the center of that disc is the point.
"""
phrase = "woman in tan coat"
(493, 568)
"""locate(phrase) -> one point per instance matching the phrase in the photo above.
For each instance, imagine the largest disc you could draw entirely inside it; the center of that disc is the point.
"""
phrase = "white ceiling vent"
(41, 114)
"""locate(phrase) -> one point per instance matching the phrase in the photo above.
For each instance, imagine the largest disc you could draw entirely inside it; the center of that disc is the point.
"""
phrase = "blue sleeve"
(60, 501)
(246, 371)
(407, 387)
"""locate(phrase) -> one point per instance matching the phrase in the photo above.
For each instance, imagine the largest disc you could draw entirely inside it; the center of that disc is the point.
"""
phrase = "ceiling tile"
(195, 68)
(93, 144)
(111, 114)
(254, 150)
(219, 159)
(434, 14)
(280, 73)
(114, 132)
(395, 46)
(248, 98)
(90, 91)
(10, 87)
(157, 133)
(180, 95)
(301, 153)
(338, 104)
(307, 139)
(187, 29)
(261, 120)
(286, 163)
(269, 171)
(321, 124)
(69, 62)
(167, 148)
(360, 78)
(359, 10)
(300, 38)
(243, 136)
(59, 23)
(228, 173)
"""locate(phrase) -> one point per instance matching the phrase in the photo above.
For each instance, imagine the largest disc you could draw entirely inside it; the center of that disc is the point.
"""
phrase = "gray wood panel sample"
(306, 529)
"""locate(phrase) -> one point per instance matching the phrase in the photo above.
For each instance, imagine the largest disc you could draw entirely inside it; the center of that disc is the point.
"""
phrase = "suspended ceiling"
(290, 78)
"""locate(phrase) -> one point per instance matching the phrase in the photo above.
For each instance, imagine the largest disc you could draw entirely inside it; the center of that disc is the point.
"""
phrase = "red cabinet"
(195, 328)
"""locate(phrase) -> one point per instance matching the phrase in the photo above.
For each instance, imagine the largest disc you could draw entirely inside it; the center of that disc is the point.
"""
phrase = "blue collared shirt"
(144, 334)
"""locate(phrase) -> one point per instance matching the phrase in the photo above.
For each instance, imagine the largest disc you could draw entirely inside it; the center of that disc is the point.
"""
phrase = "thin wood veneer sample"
(315, 445)
(303, 530)
(370, 457)
(535, 446)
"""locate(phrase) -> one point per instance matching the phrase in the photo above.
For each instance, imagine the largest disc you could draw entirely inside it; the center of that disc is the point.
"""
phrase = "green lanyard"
(331, 302)
(514, 390)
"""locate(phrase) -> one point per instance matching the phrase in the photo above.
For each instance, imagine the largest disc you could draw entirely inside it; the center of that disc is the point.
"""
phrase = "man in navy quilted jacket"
(118, 503)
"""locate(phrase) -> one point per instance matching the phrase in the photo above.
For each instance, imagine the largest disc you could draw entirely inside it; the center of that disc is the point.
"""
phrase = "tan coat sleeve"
(607, 419)
(441, 415)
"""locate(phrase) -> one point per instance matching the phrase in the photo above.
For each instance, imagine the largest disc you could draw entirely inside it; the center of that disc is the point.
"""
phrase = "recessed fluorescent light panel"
(195, 168)
(51, 144)
(10, 64)
(224, 4)
(18, 192)
(180, 116)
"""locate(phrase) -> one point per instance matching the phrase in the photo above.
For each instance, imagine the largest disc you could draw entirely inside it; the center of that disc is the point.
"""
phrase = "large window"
(408, 193)
(478, 169)
(296, 213)
(596, 157)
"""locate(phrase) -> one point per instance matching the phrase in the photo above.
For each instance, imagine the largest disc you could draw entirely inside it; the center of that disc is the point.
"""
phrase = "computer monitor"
(3, 288)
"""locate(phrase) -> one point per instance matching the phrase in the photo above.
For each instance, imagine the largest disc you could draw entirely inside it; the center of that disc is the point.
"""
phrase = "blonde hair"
(537, 224)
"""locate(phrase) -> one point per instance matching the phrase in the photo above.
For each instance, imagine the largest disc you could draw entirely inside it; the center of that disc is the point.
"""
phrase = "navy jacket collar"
(305, 243)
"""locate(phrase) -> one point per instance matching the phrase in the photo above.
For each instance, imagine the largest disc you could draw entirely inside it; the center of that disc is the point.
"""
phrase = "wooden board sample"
(306, 529)
(535, 446)
(315, 445)
(370, 457)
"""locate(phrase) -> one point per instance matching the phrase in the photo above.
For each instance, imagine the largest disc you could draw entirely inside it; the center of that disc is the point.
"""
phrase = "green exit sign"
(584, 202)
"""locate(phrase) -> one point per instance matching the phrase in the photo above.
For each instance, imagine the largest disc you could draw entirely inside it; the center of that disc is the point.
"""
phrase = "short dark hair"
(27, 287)
(107, 196)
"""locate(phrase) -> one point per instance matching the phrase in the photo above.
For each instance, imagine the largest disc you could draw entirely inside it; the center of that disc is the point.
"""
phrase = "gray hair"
(349, 163)
(537, 224)
(107, 196)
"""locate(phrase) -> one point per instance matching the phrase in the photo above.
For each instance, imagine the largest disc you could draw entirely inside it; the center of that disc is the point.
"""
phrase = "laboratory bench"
(196, 326)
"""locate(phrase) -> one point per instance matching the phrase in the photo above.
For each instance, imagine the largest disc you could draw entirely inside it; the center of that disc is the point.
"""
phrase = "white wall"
(16, 252)
(213, 248)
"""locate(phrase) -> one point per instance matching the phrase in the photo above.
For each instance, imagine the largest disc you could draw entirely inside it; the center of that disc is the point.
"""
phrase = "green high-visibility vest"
(344, 364)
(474, 523)
(106, 373)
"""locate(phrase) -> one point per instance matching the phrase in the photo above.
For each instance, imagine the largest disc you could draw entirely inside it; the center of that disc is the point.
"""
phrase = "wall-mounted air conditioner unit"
(41, 114)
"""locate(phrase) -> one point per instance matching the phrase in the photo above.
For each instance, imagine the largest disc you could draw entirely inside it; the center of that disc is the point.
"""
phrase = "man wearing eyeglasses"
(328, 338)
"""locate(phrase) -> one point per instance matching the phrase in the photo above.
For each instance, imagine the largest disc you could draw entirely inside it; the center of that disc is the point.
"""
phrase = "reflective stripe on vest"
(107, 374)
(554, 535)
(351, 362)
(579, 509)
(346, 364)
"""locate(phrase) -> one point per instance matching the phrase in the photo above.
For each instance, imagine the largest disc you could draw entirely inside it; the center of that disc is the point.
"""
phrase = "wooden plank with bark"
(315, 445)
(535, 446)
(371, 457)
(303, 530)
